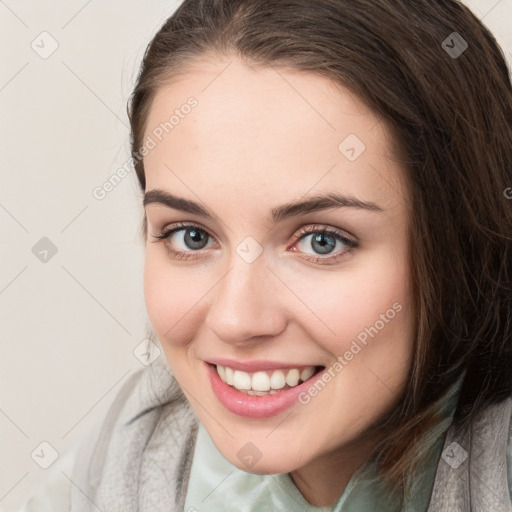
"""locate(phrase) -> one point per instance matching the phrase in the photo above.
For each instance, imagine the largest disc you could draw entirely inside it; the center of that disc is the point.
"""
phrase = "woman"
(327, 270)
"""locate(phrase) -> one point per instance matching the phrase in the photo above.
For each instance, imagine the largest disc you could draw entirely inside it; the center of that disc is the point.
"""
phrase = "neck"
(322, 481)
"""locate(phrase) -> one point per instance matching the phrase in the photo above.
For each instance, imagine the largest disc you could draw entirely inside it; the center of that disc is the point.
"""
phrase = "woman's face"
(255, 280)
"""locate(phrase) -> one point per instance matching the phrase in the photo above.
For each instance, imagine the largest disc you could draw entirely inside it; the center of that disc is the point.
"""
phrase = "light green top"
(216, 485)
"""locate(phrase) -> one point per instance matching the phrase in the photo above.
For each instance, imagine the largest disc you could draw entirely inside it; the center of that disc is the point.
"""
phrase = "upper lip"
(255, 365)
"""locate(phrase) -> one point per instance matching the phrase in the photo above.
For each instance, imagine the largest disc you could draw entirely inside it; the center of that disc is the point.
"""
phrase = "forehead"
(260, 131)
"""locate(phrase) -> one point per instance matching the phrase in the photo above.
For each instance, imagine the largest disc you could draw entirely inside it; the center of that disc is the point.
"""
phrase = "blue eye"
(323, 241)
(193, 238)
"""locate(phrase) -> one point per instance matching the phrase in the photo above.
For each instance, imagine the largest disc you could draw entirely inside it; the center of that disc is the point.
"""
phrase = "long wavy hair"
(449, 108)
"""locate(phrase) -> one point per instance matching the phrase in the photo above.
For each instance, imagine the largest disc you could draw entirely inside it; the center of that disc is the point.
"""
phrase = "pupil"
(195, 239)
(323, 246)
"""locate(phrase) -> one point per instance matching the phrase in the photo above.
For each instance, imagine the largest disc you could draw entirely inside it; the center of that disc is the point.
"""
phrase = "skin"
(257, 139)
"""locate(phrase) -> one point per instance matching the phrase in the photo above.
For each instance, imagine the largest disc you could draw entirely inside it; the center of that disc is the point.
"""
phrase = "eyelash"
(303, 232)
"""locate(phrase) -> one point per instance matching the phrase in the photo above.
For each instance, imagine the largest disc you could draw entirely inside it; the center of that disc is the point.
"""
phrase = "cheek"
(174, 296)
(366, 317)
(375, 292)
(166, 297)
(381, 308)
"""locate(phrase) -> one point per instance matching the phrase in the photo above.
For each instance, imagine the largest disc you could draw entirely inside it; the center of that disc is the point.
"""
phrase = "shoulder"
(52, 492)
(475, 468)
(141, 392)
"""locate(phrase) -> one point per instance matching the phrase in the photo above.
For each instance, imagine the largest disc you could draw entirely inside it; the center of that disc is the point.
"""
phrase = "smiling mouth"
(267, 382)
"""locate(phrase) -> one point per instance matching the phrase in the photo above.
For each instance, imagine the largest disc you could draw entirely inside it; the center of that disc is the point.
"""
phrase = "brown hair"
(452, 117)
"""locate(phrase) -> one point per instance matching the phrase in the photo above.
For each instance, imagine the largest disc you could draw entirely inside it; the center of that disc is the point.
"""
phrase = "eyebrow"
(311, 204)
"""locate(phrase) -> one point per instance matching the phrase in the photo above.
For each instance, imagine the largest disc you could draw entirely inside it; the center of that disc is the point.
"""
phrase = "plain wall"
(70, 321)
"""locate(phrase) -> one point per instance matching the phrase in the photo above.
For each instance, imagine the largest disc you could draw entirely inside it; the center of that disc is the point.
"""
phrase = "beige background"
(70, 324)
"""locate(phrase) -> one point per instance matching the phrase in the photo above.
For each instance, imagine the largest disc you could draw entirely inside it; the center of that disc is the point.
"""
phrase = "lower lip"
(252, 406)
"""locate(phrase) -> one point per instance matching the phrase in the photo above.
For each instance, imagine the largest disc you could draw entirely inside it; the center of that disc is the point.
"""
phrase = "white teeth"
(292, 378)
(222, 372)
(277, 380)
(260, 393)
(306, 373)
(262, 382)
(241, 380)
(229, 375)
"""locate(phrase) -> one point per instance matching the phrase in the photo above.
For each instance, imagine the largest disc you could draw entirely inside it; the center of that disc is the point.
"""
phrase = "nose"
(246, 304)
